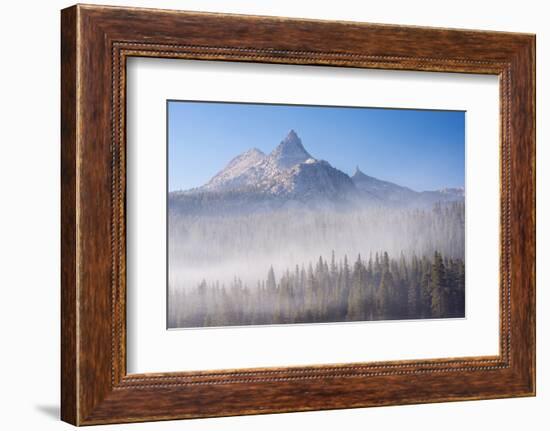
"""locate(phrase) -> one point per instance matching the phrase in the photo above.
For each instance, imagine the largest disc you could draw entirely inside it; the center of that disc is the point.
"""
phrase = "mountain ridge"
(289, 173)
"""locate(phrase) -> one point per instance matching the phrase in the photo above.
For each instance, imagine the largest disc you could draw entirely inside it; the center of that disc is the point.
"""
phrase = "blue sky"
(420, 149)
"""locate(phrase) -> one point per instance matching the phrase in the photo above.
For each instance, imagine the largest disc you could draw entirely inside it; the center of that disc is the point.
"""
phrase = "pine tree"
(439, 288)
(333, 268)
(385, 289)
(402, 287)
(370, 303)
(426, 290)
(309, 303)
(413, 294)
(460, 289)
(346, 284)
(357, 293)
(271, 284)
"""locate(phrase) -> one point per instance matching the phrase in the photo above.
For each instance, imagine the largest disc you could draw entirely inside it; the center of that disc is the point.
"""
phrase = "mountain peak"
(358, 172)
(292, 136)
(253, 152)
(246, 159)
(236, 167)
(290, 151)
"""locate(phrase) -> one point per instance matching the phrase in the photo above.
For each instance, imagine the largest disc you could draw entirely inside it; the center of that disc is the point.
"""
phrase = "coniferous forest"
(330, 290)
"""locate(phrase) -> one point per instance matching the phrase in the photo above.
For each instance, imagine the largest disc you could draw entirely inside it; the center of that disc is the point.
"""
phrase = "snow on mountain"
(232, 175)
(383, 190)
(289, 170)
(289, 175)
(313, 178)
(289, 152)
(395, 194)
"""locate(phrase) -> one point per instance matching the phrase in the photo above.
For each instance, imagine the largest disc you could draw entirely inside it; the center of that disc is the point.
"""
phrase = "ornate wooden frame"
(95, 43)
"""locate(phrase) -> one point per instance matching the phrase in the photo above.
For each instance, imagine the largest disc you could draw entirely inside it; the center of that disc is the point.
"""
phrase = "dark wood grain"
(69, 398)
(96, 41)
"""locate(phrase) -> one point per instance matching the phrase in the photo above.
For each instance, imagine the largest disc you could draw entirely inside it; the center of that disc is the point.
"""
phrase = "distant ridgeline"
(380, 288)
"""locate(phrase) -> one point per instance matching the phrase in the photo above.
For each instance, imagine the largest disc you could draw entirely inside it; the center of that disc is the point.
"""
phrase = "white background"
(151, 348)
(29, 224)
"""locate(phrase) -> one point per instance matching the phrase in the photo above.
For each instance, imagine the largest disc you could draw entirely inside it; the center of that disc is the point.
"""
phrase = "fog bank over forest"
(246, 246)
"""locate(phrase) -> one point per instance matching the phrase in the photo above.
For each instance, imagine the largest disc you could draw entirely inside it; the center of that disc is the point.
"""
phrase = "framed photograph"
(266, 240)
(264, 214)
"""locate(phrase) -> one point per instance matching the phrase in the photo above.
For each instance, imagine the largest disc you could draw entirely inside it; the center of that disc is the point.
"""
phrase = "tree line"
(377, 288)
